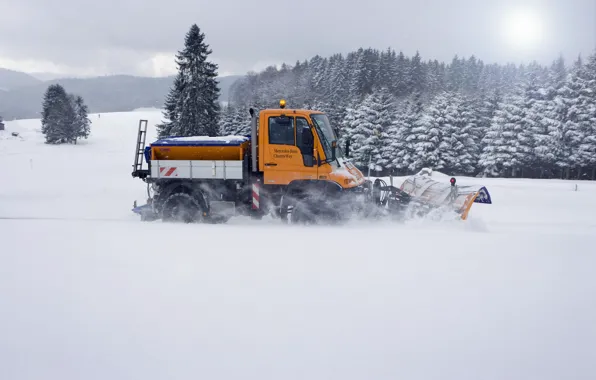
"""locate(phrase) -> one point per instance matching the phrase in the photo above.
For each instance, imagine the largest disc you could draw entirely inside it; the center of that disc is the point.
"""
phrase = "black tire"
(182, 207)
(301, 213)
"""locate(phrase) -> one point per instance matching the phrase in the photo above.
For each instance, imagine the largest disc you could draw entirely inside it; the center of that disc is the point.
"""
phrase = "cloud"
(142, 36)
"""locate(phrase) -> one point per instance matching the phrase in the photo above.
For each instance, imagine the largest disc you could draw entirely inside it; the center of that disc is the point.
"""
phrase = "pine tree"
(499, 156)
(387, 110)
(364, 132)
(574, 111)
(588, 146)
(226, 120)
(240, 123)
(531, 133)
(427, 136)
(458, 149)
(172, 109)
(57, 115)
(403, 144)
(80, 125)
(485, 107)
(192, 106)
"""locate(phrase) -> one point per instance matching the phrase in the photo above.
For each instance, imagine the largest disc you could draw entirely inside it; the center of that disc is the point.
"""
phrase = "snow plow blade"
(145, 211)
(445, 195)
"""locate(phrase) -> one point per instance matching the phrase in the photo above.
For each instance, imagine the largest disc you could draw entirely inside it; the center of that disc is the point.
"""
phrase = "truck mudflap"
(446, 195)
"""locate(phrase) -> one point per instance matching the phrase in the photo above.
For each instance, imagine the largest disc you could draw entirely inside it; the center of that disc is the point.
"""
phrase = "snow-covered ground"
(89, 292)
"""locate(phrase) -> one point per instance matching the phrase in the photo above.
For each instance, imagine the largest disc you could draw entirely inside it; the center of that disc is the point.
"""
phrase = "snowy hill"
(112, 93)
(88, 291)
(10, 79)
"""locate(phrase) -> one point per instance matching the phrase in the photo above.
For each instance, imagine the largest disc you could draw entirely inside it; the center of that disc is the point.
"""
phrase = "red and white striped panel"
(168, 171)
(255, 196)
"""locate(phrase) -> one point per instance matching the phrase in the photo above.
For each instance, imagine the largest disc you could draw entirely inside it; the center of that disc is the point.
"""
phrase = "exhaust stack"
(253, 139)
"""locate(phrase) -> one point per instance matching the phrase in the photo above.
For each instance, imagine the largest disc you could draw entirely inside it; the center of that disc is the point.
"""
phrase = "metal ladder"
(140, 151)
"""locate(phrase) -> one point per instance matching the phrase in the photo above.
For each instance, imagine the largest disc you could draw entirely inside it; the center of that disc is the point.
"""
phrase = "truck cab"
(300, 145)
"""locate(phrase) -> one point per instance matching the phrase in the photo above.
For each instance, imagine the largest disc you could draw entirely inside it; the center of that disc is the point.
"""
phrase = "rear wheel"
(182, 207)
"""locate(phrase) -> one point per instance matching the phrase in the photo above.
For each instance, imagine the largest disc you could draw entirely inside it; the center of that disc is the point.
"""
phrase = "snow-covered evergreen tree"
(402, 146)
(348, 124)
(235, 121)
(81, 125)
(192, 107)
(545, 120)
(532, 131)
(57, 116)
(387, 110)
(226, 120)
(588, 145)
(499, 156)
(574, 111)
(367, 127)
(362, 130)
(427, 135)
(458, 150)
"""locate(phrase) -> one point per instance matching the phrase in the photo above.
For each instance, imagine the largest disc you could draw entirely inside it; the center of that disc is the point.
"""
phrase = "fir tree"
(574, 110)
(192, 107)
(363, 131)
(57, 115)
(80, 125)
(387, 109)
(499, 156)
(485, 107)
(427, 134)
(458, 149)
(235, 121)
(404, 154)
(588, 146)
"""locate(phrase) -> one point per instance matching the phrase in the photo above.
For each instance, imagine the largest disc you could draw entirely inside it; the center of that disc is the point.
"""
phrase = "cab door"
(289, 152)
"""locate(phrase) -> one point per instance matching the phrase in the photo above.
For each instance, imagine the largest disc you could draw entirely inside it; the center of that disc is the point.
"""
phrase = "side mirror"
(307, 137)
(333, 149)
(348, 148)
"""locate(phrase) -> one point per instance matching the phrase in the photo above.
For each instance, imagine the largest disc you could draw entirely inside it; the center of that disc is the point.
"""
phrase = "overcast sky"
(83, 37)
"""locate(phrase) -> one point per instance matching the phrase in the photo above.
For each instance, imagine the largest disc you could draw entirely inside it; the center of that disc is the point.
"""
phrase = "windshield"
(325, 133)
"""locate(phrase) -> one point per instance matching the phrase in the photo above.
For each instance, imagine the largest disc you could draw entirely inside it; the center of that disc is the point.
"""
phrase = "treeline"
(403, 113)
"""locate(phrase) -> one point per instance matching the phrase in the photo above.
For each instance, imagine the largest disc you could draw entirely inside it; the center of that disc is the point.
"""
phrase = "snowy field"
(89, 292)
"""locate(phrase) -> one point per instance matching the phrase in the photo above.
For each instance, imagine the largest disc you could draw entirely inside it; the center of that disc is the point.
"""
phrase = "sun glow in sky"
(523, 28)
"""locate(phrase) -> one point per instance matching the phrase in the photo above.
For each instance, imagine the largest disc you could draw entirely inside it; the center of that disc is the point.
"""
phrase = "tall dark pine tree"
(57, 115)
(192, 107)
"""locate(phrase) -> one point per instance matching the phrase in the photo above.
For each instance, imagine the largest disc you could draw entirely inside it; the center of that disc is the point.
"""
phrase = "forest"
(465, 117)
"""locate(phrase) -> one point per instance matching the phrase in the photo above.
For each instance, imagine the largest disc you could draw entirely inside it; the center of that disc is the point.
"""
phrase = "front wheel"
(182, 207)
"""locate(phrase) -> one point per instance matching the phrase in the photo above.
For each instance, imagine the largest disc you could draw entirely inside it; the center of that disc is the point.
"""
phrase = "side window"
(281, 130)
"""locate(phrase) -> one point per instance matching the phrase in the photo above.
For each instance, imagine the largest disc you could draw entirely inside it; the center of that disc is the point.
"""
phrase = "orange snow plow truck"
(290, 167)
